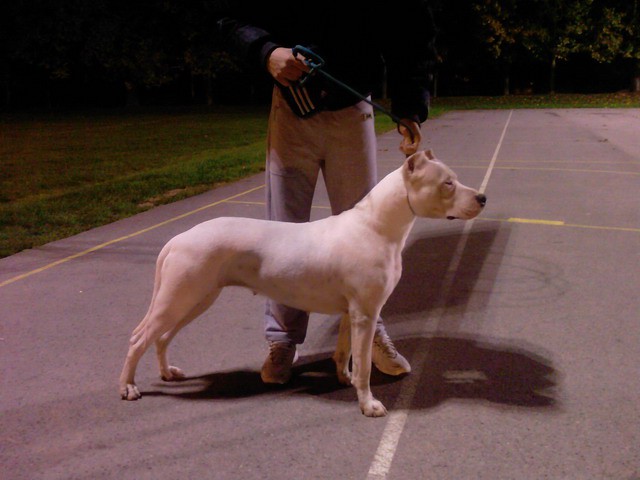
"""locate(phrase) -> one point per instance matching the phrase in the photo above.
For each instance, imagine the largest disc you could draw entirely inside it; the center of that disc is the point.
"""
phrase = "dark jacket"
(358, 39)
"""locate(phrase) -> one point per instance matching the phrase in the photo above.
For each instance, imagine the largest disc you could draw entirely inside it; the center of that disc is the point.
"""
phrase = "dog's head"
(433, 190)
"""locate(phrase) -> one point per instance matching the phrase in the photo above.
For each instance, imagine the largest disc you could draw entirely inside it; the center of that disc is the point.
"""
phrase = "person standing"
(324, 128)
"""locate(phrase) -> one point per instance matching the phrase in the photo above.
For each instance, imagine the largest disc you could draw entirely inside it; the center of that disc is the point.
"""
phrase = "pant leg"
(292, 166)
(350, 167)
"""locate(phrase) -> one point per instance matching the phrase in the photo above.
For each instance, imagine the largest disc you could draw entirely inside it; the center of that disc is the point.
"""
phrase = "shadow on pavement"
(457, 368)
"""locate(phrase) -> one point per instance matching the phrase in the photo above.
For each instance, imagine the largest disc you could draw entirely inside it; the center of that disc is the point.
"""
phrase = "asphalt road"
(522, 327)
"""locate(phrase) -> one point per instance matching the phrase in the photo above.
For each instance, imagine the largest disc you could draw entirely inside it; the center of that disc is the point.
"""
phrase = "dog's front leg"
(362, 332)
(342, 354)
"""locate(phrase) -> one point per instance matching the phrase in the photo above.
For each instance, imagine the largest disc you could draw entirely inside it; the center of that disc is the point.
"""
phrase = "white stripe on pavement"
(397, 419)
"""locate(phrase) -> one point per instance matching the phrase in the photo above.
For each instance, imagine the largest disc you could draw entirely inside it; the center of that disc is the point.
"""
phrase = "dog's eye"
(448, 189)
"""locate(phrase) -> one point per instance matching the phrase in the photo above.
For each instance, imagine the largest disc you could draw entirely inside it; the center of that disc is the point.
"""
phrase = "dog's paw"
(344, 378)
(130, 392)
(173, 374)
(373, 408)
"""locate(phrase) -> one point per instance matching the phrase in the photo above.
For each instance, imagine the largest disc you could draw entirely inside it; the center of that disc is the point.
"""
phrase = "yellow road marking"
(534, 220)
(262, 204)
(557, 223)
(599, 227)
(125, 237)
(246, 202)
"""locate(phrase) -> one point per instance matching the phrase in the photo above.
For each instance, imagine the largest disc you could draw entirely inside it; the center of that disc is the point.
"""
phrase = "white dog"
(345, 264)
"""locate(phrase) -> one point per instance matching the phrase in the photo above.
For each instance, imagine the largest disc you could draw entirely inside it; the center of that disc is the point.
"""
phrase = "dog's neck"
(410, 206)
(387, 209)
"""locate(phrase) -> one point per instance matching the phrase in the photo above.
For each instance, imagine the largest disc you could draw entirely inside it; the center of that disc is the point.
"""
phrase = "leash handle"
(312, 59)
(315, 63)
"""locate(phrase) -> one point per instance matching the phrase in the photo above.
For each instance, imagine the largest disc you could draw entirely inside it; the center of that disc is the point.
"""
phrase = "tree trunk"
(132, 99)
(192, 86)
(635, 81)
(49, 93)
(209, 90)
(552, 76)
(384, 83)
(435, 85)
(7, 90)
(507, 85)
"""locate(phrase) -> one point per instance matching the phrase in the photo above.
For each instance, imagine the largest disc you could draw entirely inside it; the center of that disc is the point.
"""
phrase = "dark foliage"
(103, 53)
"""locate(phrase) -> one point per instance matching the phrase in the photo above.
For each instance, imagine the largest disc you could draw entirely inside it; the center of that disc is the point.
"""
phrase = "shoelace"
(279, 352)
(386, 345)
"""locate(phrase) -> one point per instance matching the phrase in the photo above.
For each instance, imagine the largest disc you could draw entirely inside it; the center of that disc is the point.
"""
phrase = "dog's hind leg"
(342, 354)
(149, 330)
(177, 295)
(170, 373)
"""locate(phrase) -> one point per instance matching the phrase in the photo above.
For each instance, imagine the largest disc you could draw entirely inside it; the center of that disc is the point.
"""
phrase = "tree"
(616, 34)
(134, 44)
(502, 29)
(203, 56)
(42, 36)
(554, 29)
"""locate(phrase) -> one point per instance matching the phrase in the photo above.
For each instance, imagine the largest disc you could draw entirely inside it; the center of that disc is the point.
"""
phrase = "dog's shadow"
(456, 368)
(425, 266)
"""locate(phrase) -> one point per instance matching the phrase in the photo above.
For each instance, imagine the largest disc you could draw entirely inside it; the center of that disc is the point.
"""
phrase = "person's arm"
(410, 58)
(258, 47)
(248, 42)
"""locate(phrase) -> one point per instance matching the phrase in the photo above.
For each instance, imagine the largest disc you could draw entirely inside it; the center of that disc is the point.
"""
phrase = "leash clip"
(312, 59)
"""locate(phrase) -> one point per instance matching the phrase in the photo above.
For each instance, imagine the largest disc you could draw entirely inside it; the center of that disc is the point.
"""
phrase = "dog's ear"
(415, 161)
(410, 163)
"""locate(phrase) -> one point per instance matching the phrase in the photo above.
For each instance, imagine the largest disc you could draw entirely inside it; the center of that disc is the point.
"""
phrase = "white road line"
(381, 464)
(487, 175)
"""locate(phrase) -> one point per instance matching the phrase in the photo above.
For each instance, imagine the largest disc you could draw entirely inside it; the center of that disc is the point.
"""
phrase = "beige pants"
(341, 144)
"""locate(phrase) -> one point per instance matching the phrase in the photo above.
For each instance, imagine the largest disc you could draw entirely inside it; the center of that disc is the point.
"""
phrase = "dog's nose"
(481, 199)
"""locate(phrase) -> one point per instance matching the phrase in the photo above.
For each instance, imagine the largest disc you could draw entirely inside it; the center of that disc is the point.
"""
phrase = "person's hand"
(409, 146)
(285, 67)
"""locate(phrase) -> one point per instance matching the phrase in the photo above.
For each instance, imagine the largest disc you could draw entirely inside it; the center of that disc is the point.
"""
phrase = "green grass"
(604, 100)
(445, 104)
(61, 175)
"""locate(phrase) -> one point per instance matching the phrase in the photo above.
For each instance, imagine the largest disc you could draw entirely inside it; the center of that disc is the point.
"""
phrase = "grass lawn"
(61, 175)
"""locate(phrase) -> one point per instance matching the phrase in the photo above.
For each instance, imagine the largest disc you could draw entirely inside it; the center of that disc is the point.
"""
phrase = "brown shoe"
(277, 366)
(385, 356)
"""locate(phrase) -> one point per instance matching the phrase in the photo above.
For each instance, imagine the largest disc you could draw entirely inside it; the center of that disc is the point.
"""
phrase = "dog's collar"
(410, 207)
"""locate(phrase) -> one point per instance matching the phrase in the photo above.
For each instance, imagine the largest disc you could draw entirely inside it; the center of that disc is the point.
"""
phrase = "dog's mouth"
(451, 217)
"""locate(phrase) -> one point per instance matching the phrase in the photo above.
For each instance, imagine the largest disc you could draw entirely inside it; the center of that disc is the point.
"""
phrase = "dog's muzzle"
(480, 198)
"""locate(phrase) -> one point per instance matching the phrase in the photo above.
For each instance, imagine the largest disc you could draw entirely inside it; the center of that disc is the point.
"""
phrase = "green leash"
(315, 62)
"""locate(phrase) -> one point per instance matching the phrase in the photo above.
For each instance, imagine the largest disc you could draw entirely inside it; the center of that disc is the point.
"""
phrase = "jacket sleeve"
(250, 43)
(240, 35)
(409, 53)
